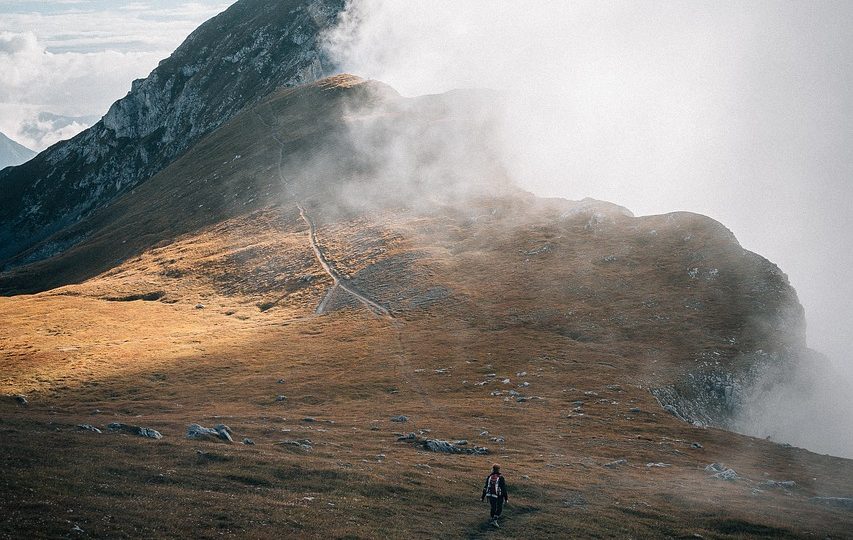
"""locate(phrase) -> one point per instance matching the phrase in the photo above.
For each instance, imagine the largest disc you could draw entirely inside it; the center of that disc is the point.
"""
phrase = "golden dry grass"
(577, 326)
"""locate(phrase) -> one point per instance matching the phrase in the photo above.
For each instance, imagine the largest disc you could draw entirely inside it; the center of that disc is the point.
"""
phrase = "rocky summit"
(348, 281)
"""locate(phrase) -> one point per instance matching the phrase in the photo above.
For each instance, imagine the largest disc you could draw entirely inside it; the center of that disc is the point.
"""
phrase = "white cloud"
(738, 110)
(76, 59)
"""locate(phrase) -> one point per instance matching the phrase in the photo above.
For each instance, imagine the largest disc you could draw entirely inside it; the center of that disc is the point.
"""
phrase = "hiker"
(495, 490)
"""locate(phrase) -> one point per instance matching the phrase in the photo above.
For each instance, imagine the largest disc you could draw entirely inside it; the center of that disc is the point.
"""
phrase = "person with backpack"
(495, 490)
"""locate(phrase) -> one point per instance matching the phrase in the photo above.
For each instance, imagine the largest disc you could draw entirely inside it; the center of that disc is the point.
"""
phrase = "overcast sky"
(75, 57)
(739, 110)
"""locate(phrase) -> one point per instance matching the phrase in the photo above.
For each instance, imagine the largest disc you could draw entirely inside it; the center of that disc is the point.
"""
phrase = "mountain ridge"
(202, 84)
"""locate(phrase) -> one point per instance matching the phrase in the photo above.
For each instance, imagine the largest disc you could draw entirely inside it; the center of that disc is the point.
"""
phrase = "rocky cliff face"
(232, 60)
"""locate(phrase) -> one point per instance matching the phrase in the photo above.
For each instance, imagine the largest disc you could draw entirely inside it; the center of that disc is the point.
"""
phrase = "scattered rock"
(88, 427)
(400, 418)
(499, 440)
(505, 381)
(445, 447)
(521, 374)
(575, 499)
(135, 430)
(784, 484)
(301, 444)
(721, 472)
(248, 441)
(837, 502)
(218, 432)
(525, 384)
(617, 463)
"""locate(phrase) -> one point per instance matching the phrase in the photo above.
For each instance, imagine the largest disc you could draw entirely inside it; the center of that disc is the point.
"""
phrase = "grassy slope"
(166, 363)
(578, 296)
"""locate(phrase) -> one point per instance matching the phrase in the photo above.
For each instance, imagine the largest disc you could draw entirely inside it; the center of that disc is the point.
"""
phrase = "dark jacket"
(501, 488)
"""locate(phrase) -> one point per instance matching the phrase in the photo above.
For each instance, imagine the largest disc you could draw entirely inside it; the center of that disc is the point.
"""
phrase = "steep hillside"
(12, 153)
(342, 275)
(234, 59)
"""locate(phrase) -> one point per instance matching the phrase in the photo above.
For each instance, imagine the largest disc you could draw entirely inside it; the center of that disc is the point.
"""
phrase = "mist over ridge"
(739, 112)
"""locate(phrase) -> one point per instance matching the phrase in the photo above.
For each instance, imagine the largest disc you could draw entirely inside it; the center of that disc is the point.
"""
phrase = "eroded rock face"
(229, 62)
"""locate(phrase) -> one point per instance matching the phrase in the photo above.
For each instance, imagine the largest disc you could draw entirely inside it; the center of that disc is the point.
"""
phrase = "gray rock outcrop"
(219, 432)
(139, 431)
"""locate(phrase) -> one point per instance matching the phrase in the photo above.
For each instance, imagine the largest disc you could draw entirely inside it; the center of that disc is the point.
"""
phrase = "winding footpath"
(339, 282)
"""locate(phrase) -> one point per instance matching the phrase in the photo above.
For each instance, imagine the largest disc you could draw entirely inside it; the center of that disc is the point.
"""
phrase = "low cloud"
(740, 111)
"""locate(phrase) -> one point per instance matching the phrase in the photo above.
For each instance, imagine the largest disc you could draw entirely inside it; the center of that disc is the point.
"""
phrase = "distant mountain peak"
(13, 153)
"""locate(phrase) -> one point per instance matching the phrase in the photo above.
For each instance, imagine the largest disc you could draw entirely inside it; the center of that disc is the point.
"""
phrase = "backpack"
(493, 486)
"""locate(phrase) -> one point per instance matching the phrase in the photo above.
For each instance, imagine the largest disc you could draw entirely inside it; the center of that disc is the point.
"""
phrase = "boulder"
(220, 432)
(139, 431)
(721, 472)
(446, 447)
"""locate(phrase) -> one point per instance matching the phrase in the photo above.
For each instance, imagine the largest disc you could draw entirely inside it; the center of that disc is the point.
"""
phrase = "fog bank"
(738, 111)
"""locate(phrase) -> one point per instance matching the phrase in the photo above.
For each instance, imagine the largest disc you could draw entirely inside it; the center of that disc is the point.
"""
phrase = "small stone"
(521, 374)
(696, 445)
(199, 306)
(400, 418)
(617, 463)
(309, 419)
(21, 400)
(525, 384)
(634, 410)
(89, 427)
(281, 398)
(659, 464)
(280, 381)
(408, 437)
(248, 441)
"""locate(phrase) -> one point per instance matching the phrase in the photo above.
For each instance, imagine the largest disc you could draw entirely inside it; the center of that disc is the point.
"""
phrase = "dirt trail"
(408, 376)
(339, 281)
